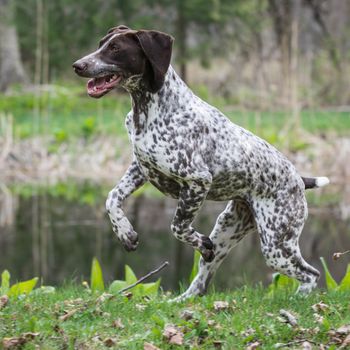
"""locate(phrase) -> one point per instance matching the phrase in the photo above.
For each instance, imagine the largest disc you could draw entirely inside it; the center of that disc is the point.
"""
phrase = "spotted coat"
(190, 151)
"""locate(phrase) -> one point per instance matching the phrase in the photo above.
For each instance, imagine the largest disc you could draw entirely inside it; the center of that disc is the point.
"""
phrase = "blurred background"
(279, 68)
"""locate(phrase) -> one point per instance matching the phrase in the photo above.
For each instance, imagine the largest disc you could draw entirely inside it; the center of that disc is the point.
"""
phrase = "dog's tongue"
(99, 82)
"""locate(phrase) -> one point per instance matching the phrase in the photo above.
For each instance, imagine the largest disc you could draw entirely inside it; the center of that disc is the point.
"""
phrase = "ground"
(246, 318)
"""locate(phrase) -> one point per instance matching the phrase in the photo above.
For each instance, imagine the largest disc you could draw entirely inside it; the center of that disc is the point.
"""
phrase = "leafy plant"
(17, 289)
(282, 282)
(195, 266)
(330, 281)
(88, 127)
(97, 283)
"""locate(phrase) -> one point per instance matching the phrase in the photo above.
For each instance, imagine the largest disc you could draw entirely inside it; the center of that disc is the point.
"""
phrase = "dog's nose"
(80, 67)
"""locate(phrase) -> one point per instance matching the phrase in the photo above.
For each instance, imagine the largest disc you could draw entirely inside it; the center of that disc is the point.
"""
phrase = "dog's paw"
(129, 241)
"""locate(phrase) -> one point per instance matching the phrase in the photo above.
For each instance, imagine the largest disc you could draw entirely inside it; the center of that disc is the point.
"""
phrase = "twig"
(161, 267)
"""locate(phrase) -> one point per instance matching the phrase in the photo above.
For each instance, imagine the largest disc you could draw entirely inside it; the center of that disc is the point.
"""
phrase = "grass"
(68, 112)
(251, 315)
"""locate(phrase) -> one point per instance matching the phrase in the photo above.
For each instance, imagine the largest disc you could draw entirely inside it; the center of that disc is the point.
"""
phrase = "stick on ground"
(161, 267)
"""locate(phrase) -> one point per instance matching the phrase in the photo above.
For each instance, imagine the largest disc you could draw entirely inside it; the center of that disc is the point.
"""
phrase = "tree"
(11, 67)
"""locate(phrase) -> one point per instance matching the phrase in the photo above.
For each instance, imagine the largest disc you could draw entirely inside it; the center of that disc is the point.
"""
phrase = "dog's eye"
(114, 47)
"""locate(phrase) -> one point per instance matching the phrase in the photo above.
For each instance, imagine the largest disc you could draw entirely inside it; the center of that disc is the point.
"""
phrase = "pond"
(55, 232)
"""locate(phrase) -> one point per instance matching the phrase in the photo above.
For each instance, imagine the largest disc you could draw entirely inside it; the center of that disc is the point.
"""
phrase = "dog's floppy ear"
(157, 47)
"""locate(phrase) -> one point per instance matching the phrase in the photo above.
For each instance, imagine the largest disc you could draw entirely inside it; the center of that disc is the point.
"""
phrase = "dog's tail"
(312, 182)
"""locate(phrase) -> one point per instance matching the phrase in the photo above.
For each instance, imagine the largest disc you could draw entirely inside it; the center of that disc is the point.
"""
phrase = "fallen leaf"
(103, 297)
(306, 346)
(14, 342)
(3, 301)
(140, 307)
(221, 305)
(109, 342)
(118, 324)
(248, 332)
(211, 323)
(320, 307)
(253, 346)
(68, 314)
(128, 295)
(173, 335)
(289, 318)
(345, 342)
(319, 319)
(218, 344)
(187, 315)
(343, 330)
(149, 346)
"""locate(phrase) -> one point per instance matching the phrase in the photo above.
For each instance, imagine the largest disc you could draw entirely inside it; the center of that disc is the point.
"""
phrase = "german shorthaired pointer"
(190, 151)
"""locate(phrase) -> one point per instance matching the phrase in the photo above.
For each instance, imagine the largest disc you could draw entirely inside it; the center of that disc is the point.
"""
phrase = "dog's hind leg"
(234, 223)
(279, 226)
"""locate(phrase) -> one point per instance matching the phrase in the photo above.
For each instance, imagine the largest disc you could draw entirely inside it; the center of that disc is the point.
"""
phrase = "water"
(55, 235)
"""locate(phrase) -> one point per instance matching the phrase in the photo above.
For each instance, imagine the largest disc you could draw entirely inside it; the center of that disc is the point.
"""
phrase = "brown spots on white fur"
(189, 150)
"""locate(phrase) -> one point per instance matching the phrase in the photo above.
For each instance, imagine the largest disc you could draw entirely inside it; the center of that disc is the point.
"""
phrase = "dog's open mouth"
(97, 87)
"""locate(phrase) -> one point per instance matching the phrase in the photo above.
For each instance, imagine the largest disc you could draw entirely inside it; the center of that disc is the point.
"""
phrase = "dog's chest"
(151, 150)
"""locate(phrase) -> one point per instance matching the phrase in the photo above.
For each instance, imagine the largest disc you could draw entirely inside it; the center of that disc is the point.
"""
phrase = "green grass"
(252, 316)
(68, 112)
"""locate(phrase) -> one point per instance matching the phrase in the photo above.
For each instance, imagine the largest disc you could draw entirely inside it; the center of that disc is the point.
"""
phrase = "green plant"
(141, 289)
(330, 281)
(17, 289)
(195, 266)
(97, 283)
(88, 127)
(282, 282)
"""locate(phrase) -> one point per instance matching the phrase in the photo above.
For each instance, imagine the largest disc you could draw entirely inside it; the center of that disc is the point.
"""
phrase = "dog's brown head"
(128, 58)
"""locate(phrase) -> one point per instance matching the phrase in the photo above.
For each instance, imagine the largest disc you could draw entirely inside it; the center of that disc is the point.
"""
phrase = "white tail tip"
(322, 181)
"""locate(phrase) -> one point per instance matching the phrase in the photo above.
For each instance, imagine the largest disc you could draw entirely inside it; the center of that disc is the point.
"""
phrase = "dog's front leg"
(131, 181)
(191, 197)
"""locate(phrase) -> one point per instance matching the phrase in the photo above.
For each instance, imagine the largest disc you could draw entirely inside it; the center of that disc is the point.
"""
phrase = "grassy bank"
(72, 317)
(64, 112)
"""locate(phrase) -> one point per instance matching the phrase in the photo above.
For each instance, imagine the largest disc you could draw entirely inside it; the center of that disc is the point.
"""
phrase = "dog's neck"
(173, 95)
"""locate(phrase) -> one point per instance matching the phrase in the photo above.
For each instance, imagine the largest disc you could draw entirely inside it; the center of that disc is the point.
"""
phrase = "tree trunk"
(11, 67)
(181, 38)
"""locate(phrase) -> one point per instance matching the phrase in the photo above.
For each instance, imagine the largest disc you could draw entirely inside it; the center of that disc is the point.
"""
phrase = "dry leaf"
(345, 342)
(306, 346)
(68, 314)
(173, 335)
(3, 301)
(248, 332)
(320, 307)
(187, 315)
(128, 295)
(319, 319)
(140, 307)
(289, 318)
(109, 342)
(218, 344)
(221, 305)
(11, 343)
(253, 346)
(149, 346)
(343, 330)
(118, 324)
(103, 297)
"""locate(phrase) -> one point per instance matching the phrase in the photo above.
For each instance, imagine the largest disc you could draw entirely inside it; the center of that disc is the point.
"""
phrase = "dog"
(190, 151)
